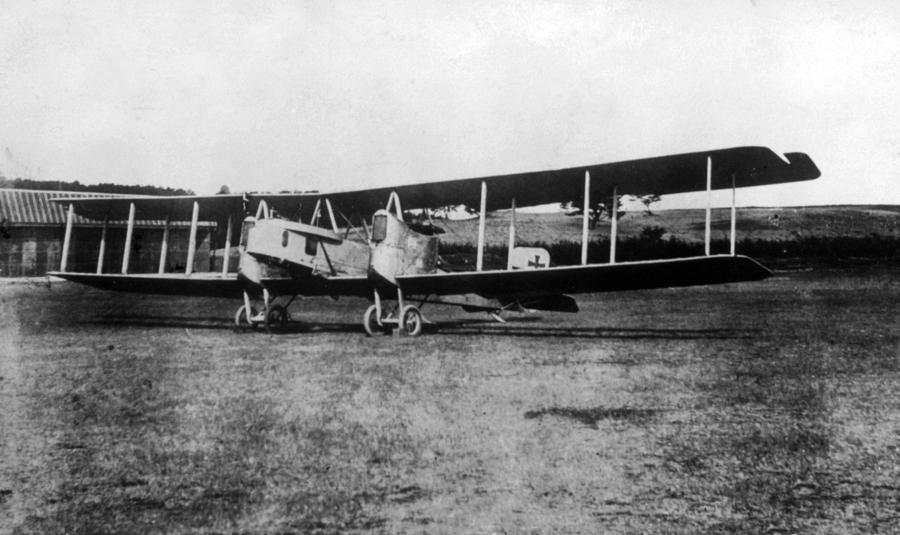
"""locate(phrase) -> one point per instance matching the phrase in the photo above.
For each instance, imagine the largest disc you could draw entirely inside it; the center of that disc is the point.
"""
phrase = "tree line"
(103, 187)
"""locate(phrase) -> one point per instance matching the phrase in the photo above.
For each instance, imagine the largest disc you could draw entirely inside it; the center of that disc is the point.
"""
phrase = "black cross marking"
(536, 262)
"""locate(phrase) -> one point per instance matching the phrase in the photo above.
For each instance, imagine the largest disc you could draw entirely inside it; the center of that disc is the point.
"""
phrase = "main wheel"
(242, 319)
(370, 321)
(277, 317)
(411, 320)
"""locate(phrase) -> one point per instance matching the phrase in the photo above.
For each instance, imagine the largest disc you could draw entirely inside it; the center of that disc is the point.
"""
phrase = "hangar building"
(32, 230)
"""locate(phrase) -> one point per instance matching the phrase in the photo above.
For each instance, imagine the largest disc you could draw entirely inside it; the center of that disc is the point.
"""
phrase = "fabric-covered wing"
(195, 285)
(591, 278)
(520, 283)
(750, 166)
(180, 208)
(214, 285)
(747, 166)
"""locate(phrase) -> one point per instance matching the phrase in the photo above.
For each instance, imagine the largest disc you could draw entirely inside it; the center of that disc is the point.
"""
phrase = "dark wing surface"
(215, 285)
(196, 284)
(180, 208)
(749, 166)
(590, 278)
(680, 173)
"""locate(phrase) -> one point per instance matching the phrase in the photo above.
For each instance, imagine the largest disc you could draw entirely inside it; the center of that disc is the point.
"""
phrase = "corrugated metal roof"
(23, 207)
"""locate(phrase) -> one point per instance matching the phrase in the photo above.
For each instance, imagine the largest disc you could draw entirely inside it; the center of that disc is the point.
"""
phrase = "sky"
(340, 95)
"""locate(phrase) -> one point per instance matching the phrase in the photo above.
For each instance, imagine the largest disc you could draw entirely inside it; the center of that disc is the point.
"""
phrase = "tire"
(370, 321)
(277, 317)
(411, 320)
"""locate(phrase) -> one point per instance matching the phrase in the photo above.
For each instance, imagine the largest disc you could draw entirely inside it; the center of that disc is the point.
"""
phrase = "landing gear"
(269, 314)
(411, 320)
(242, 319)
(277, 317)
(372, 323)
(408, 322)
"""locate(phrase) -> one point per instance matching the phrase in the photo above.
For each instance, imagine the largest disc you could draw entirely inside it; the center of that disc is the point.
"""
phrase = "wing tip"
(802, 166)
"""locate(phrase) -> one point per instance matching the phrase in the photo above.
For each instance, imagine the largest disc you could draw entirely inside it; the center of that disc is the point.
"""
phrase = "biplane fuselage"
(390, 260)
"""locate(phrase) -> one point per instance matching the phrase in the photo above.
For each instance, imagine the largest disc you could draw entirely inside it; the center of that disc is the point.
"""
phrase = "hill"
(764, 224)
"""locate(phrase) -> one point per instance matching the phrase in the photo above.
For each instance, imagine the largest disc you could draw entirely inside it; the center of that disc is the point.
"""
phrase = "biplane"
(307, 244)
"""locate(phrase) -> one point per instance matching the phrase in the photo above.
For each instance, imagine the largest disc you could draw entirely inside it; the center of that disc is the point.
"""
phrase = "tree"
(647, 200)
(596, 212)
(604, 209)
(224, 190)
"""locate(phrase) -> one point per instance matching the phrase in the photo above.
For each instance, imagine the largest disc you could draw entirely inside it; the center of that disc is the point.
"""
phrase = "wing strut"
(192, 244)
(334, 226)
(512, 235)
(395, 200)
(733, 218)
(262, 210)
(315, 215)
(613, 225)
(164, 248)
(226, 250)
(585, 220)
(126, 256)
(70, 218)
(479, 262)
(102, 252)
(706, 237)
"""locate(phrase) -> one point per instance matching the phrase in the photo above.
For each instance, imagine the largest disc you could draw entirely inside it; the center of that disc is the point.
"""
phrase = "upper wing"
(749, 166)
(180, 207)
(745, 166)
(591, 278)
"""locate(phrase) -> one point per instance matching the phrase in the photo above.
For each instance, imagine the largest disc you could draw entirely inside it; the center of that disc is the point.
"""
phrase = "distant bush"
(61, 185)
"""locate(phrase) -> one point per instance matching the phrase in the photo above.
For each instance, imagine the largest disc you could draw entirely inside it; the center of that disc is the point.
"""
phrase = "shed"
(32, 229)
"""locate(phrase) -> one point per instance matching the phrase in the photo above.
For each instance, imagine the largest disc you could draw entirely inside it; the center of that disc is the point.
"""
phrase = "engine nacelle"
(398, 250)
(288, 241)
(249, 266)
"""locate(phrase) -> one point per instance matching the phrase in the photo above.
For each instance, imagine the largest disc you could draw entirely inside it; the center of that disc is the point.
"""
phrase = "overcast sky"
(337, 95)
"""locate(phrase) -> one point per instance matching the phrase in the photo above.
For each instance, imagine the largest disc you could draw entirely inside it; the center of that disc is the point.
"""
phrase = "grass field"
(768, 407)
(771, 224)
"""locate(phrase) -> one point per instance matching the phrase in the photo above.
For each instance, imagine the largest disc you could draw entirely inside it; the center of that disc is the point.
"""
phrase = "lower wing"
(215, 285)
(590, 278)
(516, 283)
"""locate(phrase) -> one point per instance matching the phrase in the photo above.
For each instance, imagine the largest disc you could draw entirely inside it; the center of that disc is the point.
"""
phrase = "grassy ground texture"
(746, 408)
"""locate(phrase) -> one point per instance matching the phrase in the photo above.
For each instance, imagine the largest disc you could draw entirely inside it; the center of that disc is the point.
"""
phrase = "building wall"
(33, 251)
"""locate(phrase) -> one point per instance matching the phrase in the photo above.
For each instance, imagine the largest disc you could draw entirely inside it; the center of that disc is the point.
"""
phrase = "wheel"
(277, 317)
(241, 319)
(370, 321)
(411, 320)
